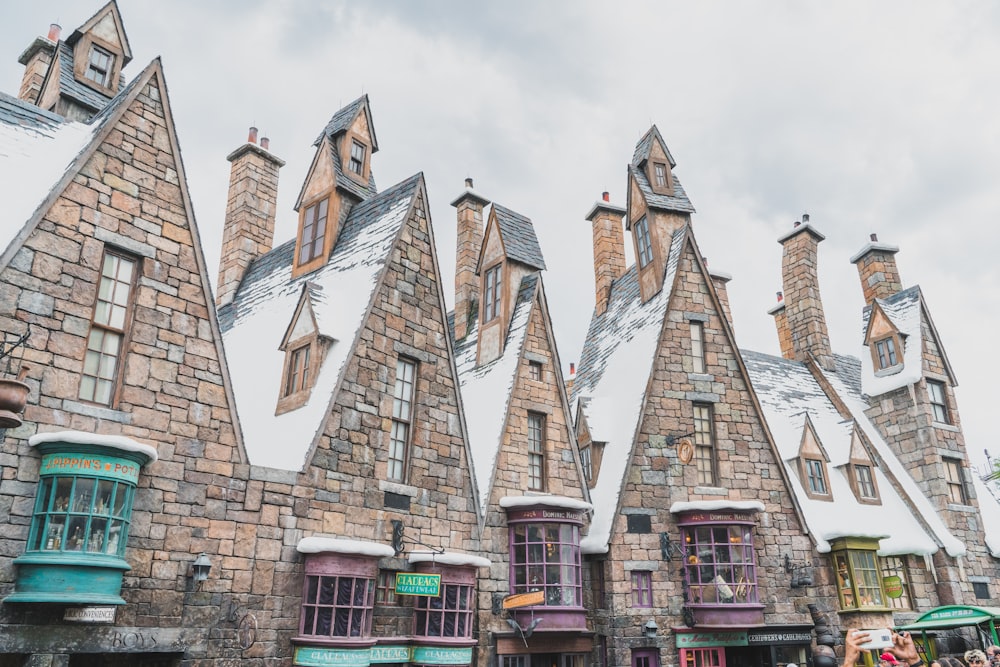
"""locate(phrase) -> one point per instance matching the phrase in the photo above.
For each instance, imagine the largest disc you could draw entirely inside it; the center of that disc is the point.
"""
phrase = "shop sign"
(440, 655)
(90, 614)
(947, 614)
(720, 516)
(701, 639)
(545, 515)
(524, 599)
(106, 467)
(309, 656)
(765, 636)
(893, 586)
(393, 654)
(411, 583)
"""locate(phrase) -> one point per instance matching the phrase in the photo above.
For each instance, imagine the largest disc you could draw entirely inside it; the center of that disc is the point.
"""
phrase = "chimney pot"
(54, 31)
(605, 196)
(572, 369)
(874, 237)
(265, 143)
(796, 223)
(252, 135)
(805, 217)
(468, 183)
(781, 297)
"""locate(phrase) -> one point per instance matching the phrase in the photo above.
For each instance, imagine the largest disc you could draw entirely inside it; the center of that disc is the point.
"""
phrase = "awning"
(953, 616)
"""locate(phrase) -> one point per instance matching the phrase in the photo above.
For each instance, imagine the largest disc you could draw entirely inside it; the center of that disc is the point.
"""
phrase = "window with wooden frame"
(100, 66)
(939, 402)
(357, 160)
(337, 605)
(491, 294)
(536, 451)
(704, 444)
(402, 418)
(885, 353)
(586, 463)
(297, 374)
(643, 243)
(449, 614)
(642, 589)
(385, 588)
(660, 174)
(312, 232)
(956, 481)
(535, 371)
(720, 565)
(864, 482)
(108, 328)
(858, 575)
(896, 582)
(816, 477)
(697, 346)
(598, 583)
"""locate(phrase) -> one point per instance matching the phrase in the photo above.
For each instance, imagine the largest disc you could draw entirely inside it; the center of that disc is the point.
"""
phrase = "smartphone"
(878, 639)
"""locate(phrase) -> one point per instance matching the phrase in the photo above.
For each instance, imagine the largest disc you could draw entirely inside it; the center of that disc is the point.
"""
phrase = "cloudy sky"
(872, 117)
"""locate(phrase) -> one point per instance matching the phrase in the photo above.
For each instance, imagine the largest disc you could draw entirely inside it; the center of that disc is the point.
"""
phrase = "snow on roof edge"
(711, 505)
(548, 500)
(317, 544)
(449, 558)
(120, 442)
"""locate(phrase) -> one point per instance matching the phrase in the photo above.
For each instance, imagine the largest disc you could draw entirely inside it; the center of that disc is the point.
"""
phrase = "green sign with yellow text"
(413, 583)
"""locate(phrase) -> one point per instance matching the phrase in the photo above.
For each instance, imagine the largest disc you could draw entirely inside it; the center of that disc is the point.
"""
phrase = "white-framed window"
(100, 63)
(105, 342)
(402, 418)
(536, 451)
(704, 444)
(697, 346)
(939, 401)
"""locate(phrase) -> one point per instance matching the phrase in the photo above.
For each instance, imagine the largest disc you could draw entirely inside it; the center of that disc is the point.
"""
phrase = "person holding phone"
(902, 648)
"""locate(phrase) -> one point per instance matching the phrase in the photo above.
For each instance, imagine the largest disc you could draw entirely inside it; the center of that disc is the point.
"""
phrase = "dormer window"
(642, 242)
(885, 353)
(100, 64)
(660, 174)
(491, 296)
(816, 477)
(298, 370)
(313, 234)
(357, 161)
(864, 482)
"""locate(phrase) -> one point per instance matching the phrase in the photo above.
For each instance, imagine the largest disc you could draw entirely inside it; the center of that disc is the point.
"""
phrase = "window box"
(79, 527)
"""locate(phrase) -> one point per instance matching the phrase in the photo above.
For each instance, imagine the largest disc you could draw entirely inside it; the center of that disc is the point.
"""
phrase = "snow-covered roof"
(903, 310)
(610, 384)
(788, 394)
(486, 389)
(36, 148)
(448, 558)
(545, 500)
(989, 507)
(317, 544)
(255, 322)
(119, 442)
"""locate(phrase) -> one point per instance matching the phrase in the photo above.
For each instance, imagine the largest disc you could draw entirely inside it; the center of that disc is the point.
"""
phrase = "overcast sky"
(871, 116)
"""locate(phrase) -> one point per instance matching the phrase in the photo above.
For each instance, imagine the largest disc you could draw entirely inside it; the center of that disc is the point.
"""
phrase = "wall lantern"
(651, 629)
(200, 568)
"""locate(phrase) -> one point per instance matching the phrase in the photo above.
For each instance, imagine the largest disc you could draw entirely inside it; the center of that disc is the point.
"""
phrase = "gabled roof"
(904, 310)
(341, 121)
(789, 393)
(341, 290)
(486, 390)
(109, 9)
(82, 94)
(338, 124)
(518, 235)
(611, 381)
(645, 147)
(676, 202)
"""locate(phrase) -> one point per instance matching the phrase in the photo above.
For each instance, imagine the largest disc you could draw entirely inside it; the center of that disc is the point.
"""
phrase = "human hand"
(852, 646)
(903, 648)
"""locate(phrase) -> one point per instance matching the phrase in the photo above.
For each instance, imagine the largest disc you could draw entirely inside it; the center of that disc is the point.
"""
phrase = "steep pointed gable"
(255, 322)
(667, 195)
(897, 318)
(518, 237)
(353, 120)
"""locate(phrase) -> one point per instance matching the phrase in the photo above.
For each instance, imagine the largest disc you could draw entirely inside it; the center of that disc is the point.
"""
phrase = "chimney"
(249, 228)
(36, 60)
(469, 241)
(609, 249)
(720, 280)
(803, 306)
(781, 322)
(876, 264)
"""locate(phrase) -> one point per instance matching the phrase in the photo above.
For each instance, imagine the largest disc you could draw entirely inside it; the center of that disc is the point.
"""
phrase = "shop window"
(956, 482)
(704, 444)
(642, 588)
(80, 522)
(402, 418)
(859, 577)
(720, 566)
(515, 660)
(108, 328)
(642, 242)
(447, 615)
(546, 557)
(337, 606)
(939, 401)
(896, 582)
(702, 657)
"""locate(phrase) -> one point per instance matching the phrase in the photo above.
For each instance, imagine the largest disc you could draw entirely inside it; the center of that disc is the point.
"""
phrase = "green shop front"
(949, 617)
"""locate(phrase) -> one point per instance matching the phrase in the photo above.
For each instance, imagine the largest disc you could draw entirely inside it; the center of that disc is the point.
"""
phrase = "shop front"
(768, 646)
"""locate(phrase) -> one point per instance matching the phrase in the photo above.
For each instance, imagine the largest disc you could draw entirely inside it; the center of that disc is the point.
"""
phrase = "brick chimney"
(803, 306)
(720, 280)
(609, 249)
(876, 264)
(250, 211)
(781, 322)
(36, 60)
(469, 239)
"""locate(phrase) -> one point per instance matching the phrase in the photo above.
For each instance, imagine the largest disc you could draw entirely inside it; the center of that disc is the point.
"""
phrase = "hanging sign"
(411, 583)
(893, 586)
(524, 599)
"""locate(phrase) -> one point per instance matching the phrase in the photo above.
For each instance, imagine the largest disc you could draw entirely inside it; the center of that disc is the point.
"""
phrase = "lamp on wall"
(651, 628)
(801, 574)
(200, 568)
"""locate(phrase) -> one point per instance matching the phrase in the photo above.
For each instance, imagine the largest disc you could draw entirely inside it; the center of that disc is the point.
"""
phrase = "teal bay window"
(79, 527)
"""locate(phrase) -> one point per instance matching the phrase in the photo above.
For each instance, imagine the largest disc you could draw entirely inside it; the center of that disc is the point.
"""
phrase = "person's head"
(935, 663)
(888, 660)
(975, 658)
